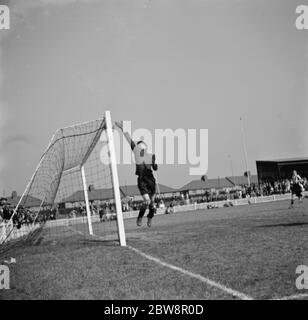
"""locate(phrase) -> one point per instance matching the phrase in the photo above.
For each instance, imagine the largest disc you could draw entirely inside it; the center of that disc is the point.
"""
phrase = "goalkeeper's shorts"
(147, 185)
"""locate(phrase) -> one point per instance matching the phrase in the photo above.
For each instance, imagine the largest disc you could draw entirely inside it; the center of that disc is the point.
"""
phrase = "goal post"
(115, 179)
(86, 197)
(73, 190)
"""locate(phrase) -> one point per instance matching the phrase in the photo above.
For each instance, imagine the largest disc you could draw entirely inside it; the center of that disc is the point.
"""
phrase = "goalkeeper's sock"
(141, 214)
(152, 210)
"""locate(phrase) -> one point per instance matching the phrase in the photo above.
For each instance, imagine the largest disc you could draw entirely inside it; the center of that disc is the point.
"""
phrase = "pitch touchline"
(210, 282)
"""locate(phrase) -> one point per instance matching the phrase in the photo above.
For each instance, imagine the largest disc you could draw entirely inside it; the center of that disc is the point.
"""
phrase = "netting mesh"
(55, 196)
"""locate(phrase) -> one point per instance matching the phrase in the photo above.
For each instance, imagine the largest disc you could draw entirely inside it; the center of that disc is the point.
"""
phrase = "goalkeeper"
(145, 163)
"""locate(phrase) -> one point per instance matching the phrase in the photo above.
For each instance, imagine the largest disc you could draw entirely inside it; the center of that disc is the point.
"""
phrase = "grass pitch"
(250, 249)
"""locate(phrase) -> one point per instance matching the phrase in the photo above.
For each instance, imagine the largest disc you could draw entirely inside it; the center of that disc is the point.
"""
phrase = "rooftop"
(105, 194)
(240, 180)
(285, 160)
(208, 184)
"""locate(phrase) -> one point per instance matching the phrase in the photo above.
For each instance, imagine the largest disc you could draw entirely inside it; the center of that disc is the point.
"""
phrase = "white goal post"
(115, 179)
(71, 177)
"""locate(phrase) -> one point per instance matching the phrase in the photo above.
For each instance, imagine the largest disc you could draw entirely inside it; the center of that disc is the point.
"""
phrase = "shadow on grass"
(292, 224)
(105, 242)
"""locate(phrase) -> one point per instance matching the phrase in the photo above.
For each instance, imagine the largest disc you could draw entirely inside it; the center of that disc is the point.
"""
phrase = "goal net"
(74, 189)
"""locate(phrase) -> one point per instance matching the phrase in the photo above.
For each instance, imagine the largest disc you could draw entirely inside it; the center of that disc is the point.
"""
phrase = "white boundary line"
(294, 297)
(212, 283)
(208, 281)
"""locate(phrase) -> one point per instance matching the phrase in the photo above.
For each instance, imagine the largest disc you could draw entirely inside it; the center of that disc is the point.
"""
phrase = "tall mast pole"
(245, 150)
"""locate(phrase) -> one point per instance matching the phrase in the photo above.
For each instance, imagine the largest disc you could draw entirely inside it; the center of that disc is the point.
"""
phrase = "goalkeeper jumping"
(145, 163)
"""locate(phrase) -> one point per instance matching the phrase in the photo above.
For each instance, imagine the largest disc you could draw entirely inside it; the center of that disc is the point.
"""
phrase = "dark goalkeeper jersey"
(145, 161)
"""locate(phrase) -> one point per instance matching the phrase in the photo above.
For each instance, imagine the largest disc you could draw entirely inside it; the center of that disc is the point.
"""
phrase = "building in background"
(273, 170)
(198, 187)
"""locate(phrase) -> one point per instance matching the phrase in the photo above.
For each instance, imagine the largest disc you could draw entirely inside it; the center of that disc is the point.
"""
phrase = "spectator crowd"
(106, 211)
(23, 215)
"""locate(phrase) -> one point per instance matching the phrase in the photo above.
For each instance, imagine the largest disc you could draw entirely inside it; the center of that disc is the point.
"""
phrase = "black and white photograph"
(154, 153)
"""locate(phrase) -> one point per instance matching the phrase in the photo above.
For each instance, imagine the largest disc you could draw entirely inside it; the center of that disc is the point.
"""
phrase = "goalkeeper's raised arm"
(126, 134)
(145, 163)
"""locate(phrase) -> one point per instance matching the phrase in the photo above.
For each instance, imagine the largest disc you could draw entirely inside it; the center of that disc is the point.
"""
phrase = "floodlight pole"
(86, 197)
(115, 179)
(245, 151)
(232, 172)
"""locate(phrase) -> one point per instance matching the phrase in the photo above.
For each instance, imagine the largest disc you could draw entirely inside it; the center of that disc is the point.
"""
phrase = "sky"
(200, 64)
